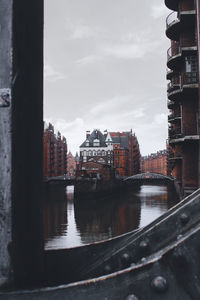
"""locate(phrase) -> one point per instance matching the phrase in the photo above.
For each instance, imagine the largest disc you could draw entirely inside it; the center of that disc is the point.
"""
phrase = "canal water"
(69, 223)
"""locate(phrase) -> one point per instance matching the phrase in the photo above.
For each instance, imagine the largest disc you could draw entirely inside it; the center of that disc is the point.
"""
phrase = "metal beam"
(21, 133)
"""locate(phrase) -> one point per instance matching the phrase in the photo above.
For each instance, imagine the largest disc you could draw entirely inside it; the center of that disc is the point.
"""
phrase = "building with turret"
(117, 150)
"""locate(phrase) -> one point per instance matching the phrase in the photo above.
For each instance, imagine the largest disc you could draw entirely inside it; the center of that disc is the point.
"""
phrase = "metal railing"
(172, 18)
(172, 51)
(171, 86)
(169, 102)
(175, 133)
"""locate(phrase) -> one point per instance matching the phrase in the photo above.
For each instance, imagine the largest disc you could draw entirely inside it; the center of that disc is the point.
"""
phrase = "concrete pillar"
(21, 133)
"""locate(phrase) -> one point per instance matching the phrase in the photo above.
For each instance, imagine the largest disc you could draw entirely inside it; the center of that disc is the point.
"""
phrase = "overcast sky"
(105, 67)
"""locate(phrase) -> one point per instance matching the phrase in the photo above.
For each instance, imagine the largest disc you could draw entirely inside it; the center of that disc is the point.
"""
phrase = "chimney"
(105, 133)
(87, 133)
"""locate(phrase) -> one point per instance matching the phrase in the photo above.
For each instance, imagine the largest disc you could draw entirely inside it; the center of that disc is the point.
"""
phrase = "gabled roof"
(120, 138)
(96, 134)
(108, 138)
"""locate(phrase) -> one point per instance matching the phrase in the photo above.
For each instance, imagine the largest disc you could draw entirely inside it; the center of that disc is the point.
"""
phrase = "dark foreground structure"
(161, 261)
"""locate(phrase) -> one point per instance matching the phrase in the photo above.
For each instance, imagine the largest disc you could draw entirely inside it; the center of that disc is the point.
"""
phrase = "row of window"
(96, 153)
(100, 160)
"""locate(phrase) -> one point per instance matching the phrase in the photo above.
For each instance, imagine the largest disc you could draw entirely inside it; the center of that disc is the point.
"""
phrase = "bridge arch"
(149, 177)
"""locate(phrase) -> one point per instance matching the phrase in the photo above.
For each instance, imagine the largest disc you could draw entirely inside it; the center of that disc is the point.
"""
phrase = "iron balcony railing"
(171, 86)
(173, 51)
(172, 19)
(170, 103)
(175, 133)
(173, 116)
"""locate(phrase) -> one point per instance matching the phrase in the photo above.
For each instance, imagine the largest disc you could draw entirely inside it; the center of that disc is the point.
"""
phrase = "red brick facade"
(126, 153)
(183, 30)
(55, 152)
(96, 170)
(71, 165)
(119, 150)
(155, 163)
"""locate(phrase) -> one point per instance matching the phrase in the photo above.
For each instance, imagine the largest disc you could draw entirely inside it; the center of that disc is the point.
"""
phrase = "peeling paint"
(5, 97)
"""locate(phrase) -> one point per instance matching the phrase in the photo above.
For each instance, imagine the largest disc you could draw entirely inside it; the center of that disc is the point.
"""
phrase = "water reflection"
(69, 222)
(105, 218)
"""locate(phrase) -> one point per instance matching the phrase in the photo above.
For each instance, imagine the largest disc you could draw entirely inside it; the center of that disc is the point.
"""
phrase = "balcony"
(173, 56)
(169, 73)
(172, 4)
(176, 156)
(175, 135)
(170, 104)
(173, 26)
(179, 135)
(173, 118)
(185, 87)
(173, 91)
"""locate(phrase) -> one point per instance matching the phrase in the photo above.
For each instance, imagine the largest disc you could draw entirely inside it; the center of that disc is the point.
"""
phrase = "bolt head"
(143, 245)
(159, 284)
(125, 257)
(184, 218)
(107, 269)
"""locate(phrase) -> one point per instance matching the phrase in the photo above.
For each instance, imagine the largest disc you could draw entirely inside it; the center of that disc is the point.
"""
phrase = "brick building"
(71, 164)
(55, 152)
(96, 154)
(126, 153)
(183, 27)
(155, 163)
(119, 150)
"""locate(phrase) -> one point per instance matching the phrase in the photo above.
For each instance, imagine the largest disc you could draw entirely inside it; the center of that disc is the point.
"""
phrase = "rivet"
(143, 259)
(132, 265)
(184, 218)
(143, 245)
(125, 257)
(159, 284)
(132, 297)
(107, 269)
(179, 236)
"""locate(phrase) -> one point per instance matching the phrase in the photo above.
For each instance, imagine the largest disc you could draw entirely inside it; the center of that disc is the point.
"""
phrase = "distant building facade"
(155, 163)
(55, 152)
(96, 155)
(71, 165)
(126, 153)
(117, 151)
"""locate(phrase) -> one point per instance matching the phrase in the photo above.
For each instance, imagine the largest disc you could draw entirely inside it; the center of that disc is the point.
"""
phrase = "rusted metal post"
(21, 132)
(5, 140)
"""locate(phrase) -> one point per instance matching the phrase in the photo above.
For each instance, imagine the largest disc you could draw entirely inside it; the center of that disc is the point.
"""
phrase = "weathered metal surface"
(5, 97)
(21, 133)
(5, 139)
(171, 273)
